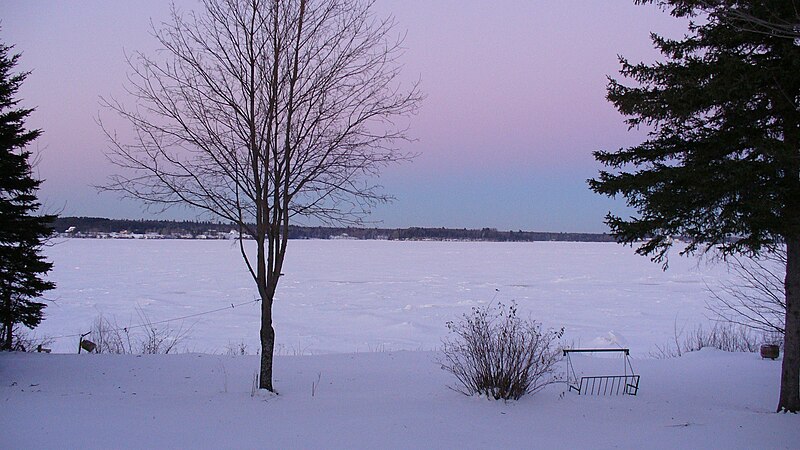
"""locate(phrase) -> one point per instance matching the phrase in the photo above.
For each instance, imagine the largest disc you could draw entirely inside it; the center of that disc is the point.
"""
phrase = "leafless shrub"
(293, 350)
(109, 337)
(493, 352)
(146, 337)
(666, 351)
(26, 340)
(159, 339)
(236, 349)
(728, 337)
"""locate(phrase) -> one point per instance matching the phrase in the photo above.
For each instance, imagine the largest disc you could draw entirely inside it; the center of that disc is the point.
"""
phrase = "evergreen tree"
(22, 234)
(721, 164)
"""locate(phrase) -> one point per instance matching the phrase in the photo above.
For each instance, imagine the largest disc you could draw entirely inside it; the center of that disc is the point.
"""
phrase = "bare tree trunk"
(267, 290)
(270, 265)
(8, 324)
(8, 338)
(267, 345)
(790, 373)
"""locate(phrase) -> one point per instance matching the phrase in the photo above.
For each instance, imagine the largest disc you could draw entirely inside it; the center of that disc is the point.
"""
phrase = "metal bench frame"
(625, 384)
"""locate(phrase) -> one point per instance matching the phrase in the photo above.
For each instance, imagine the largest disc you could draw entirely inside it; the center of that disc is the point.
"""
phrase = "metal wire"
(158, 322)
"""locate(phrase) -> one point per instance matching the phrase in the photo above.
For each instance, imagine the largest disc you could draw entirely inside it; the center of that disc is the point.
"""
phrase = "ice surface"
(351, 296)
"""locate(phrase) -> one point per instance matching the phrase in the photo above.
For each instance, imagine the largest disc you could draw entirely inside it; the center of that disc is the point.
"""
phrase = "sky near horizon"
(515, 104)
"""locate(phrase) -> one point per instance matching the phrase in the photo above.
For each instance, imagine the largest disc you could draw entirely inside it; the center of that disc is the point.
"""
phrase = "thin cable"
(142, 325)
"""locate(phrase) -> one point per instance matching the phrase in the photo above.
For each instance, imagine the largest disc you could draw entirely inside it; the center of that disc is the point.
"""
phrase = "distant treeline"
(164, 227)
(170, 227)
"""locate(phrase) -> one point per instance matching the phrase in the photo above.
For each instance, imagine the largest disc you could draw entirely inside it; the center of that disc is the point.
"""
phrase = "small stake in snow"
(315, 384)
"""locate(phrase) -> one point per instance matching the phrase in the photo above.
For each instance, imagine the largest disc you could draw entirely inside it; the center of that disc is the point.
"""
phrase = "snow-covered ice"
(353, 296)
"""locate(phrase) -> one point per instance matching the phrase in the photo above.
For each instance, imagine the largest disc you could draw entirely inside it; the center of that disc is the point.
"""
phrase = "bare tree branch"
(767, 23)
(756, 298)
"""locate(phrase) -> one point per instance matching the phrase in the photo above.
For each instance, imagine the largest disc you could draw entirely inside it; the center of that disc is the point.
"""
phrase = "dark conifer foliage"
(721, 164)
(22, 234)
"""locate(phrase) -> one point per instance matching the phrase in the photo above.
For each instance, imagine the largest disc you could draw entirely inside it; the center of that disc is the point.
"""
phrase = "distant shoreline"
(98, 227)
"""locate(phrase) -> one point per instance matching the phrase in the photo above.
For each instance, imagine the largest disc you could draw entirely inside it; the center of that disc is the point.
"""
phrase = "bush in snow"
(26, 341)
(109, 337)
(728, 337)
(236, 349)
(493, 352)
(150, 338)
(160, 339)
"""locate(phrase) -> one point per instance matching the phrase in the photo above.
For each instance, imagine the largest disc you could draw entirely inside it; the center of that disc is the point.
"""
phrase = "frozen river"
(351, 296)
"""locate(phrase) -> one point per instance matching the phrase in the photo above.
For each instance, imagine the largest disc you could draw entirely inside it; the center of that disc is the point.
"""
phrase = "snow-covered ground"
(708, 399)
(359, 296)
(347, 313)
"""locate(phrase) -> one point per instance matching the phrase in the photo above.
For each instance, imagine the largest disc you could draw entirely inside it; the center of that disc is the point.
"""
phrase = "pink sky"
(515, 103)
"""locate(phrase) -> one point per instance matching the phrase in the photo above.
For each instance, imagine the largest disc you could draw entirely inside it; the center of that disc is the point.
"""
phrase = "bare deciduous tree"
(261, 112)
(756, 297)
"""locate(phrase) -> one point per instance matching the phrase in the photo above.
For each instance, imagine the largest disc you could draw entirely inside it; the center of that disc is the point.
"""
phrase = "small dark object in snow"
(770, 351)
(88, 345)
